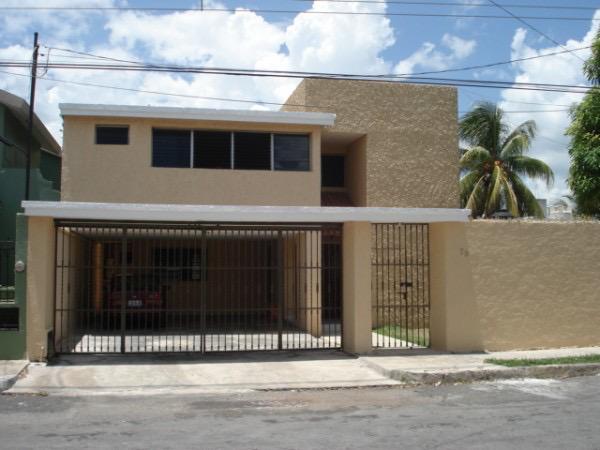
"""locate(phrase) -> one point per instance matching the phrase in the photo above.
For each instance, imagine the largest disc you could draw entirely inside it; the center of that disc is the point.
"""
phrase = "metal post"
(123, 288)
(30, 123)
(280, 290)
(203, 289)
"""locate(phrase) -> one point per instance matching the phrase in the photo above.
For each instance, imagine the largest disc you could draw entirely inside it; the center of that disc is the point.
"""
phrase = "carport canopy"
(243, 214)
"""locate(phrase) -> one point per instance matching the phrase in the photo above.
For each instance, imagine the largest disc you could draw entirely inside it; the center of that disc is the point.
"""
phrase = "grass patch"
(545, 361)
(416, 336)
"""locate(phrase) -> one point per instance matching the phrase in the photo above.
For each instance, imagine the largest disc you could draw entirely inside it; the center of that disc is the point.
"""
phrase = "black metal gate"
(400, 285)
(173, 287)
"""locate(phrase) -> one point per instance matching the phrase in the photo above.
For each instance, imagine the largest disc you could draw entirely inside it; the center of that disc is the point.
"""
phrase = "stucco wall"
(40, 286)
(411, 136)
(500, 285)
(123, 173)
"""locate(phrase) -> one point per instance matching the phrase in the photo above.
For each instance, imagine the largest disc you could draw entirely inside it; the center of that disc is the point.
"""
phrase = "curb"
(487, 374)
(7, 381)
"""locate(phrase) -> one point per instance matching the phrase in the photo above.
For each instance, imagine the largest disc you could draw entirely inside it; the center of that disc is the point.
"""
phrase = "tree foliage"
(495, 162)
(584, 149)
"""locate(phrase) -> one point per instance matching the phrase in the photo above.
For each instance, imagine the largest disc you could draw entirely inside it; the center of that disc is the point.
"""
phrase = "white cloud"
(240, 39)
(429, 58)
(551, 145)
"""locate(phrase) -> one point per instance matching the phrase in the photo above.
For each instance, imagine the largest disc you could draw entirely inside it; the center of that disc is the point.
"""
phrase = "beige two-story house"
(187, 229)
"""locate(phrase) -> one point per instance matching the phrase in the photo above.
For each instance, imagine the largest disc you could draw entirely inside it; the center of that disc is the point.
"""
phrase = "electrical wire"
(530, 26)
(431, 72)
(318, 75)
(282, 11)
(469, 5)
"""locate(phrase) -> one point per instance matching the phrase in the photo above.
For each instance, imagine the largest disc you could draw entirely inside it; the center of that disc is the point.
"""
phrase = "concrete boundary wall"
(503, 285)
(40, 286)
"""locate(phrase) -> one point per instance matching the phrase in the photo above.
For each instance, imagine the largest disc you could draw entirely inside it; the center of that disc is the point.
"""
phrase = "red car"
(142, 292)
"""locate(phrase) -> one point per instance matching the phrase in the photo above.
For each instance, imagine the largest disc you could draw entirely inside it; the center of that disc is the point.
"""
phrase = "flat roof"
(226, 213)
(226, 115)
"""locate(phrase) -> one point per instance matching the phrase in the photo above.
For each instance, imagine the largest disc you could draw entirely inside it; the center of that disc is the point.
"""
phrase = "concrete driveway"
(131, 375)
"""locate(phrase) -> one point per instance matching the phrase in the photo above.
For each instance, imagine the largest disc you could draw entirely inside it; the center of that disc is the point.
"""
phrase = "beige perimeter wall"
(124, 173)
(500, 285)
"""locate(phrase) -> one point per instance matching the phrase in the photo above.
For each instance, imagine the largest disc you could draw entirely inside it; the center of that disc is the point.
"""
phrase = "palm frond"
(528, 204)
(512, 202)
(474, 158)
(495, 194)
(476, 198)
(532, 167)
(519, 140)
(483, 126)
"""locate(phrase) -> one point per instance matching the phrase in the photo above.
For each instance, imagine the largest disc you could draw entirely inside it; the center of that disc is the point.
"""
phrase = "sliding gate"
(400, 285)
(156, 287)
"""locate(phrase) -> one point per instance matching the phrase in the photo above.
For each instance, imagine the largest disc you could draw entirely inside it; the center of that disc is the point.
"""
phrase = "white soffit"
(226, 115)
(225, 213)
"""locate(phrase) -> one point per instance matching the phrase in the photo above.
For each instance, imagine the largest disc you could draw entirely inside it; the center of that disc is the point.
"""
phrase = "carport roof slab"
(241, 214)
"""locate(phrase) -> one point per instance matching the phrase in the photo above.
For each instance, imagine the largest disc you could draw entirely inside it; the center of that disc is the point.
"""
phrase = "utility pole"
(30, 123)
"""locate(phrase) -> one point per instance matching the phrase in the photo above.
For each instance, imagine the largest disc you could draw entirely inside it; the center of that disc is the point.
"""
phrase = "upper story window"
(252, 151)
(171, 148)
(112, 134)
(230, 150)
(332, 170)
(212, 149)
(291, 152)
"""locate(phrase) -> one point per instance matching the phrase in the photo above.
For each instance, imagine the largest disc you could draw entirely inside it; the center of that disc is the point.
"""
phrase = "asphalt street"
(505, 414)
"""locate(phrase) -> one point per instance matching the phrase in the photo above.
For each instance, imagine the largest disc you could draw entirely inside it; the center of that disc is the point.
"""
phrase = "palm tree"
(495, 162)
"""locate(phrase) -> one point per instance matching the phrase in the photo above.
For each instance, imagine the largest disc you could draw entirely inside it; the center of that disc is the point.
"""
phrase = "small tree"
(584, 150)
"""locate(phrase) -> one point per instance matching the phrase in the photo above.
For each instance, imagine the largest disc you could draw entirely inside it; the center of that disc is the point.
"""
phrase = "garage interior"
(196, 287)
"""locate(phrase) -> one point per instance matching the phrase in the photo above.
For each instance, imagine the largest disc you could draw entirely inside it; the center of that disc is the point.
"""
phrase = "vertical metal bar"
(181, 251)
(280, 286)
(203, 289)
(397, 288)
(341, 284)
(123, 286)
(55, 282)
(407, 262)
(428, 283)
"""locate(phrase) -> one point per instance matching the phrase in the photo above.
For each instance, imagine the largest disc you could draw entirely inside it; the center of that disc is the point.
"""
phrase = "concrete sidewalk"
(241, 372)
(430, 367)
(155, 374)
(10, 371)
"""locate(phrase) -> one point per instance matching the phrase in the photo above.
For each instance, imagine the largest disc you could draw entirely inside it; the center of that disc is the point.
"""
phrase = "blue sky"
(311, 42)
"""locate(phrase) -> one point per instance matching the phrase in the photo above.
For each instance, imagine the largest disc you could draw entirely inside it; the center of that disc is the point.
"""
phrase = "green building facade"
(44, 185)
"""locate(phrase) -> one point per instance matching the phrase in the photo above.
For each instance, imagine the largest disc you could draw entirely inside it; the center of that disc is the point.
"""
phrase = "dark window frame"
(194, 151)
(307, 136)
(98, 126)
(153, 162)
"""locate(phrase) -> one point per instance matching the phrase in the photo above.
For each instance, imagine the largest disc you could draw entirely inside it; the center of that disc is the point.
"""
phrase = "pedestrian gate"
(400, 285)
(173, 287)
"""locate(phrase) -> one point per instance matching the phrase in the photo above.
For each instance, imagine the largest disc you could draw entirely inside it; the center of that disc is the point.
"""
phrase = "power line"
(314, 74)
(478, 97)
(476, 5)
(528, 25)
(200, 97)
(500, 63)
(282, 11)
(431, 72)
(168, 94)
(317, 75)
(532, 111)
